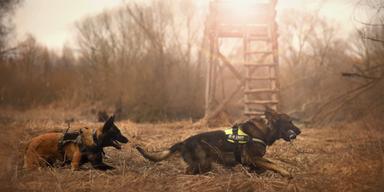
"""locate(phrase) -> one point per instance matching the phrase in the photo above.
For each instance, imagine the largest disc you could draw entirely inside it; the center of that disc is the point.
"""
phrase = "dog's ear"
(112, 118)
(109, 123)
(269, 113)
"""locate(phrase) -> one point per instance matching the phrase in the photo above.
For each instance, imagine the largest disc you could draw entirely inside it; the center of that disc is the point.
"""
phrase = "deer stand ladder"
(257, 75)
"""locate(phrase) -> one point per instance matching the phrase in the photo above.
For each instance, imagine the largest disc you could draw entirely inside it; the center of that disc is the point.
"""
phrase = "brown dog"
(47, 148)
(86, 143)
(244, 143)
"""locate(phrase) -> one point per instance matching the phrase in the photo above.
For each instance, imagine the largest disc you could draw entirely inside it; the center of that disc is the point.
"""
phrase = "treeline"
(34, 75)
(147, 62)
(142, 60)
(327, 74)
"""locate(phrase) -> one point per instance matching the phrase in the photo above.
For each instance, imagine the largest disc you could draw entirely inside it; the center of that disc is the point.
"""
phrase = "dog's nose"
(297, 131)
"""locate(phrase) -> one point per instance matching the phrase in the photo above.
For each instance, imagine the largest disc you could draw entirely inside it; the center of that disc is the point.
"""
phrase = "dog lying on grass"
(76, 148)
(47, 148)
(244, 143)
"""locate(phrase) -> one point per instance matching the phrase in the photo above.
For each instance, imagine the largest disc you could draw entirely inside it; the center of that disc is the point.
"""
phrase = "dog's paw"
(257, 170)
(286, 174)
(75, 169)
(103, 167)
(111, 168)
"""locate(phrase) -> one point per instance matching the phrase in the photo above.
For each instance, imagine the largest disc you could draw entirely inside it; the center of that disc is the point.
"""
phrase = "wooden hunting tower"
(253, 23)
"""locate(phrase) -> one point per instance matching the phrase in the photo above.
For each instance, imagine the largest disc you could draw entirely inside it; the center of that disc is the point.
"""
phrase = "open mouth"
(291, 135)
(116, 144)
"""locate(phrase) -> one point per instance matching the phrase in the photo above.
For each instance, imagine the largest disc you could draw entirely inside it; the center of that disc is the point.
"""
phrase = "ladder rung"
(259, 38)
(261, 102)
(260, 91)
(260, 78)
(258, 52)
(253, 113)
(239, 33)
(259, 64)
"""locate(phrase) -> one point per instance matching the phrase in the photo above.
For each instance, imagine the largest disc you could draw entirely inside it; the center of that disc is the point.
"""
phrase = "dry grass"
(348, 157)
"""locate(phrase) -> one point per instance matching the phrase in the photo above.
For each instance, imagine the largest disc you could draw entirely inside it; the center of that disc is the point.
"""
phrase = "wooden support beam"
(251, 91)
(230, 67)
(254, 64)
(219, 108)
(253, 113)
(261, 102)
(258, 77)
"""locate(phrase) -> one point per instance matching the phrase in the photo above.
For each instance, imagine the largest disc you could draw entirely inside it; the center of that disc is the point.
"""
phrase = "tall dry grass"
(342, 157)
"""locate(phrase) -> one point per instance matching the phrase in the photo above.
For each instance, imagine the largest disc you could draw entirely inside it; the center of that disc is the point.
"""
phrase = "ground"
(342, 157)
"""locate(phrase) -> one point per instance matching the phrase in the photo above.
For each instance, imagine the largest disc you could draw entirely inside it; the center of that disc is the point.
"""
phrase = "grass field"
(344, 157)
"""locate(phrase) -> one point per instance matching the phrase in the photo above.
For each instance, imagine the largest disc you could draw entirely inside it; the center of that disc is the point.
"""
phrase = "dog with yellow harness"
(244, 143)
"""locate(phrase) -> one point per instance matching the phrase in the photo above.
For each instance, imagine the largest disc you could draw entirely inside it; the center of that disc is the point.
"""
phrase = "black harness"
(68, 137)
(75, 137)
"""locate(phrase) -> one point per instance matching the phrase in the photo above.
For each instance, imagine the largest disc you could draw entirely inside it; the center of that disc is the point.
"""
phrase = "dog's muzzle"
(291, 135)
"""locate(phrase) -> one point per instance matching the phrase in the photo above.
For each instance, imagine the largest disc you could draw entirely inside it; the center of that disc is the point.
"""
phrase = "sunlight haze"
(52, 21)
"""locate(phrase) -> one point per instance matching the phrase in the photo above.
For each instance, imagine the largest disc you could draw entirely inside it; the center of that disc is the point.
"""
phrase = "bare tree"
(6, 10)
(312, 57)
(367, 68)
(142, 50)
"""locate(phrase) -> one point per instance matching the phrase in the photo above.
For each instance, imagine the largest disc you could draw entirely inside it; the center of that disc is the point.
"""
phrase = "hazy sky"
(51, 21)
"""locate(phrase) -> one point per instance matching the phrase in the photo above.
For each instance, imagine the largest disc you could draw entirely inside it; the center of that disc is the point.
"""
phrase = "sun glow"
(242, 11)
(240, 6)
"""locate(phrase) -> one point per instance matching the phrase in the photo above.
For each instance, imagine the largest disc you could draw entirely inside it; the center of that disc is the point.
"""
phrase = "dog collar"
(259, 141)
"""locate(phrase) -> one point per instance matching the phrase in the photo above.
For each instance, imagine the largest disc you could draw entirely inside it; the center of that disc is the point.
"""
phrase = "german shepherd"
(105, 136)
(47, 148)
(199, 151)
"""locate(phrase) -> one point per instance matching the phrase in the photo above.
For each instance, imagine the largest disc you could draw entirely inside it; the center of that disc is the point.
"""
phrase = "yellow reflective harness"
(240, 137)
(236, 136)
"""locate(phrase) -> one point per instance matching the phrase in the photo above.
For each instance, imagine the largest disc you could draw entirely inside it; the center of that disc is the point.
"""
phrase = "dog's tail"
(161, 155)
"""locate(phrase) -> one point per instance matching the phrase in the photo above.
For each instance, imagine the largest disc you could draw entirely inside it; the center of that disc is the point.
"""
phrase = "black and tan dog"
(109, 135)
(244, 143)
(76, 147)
